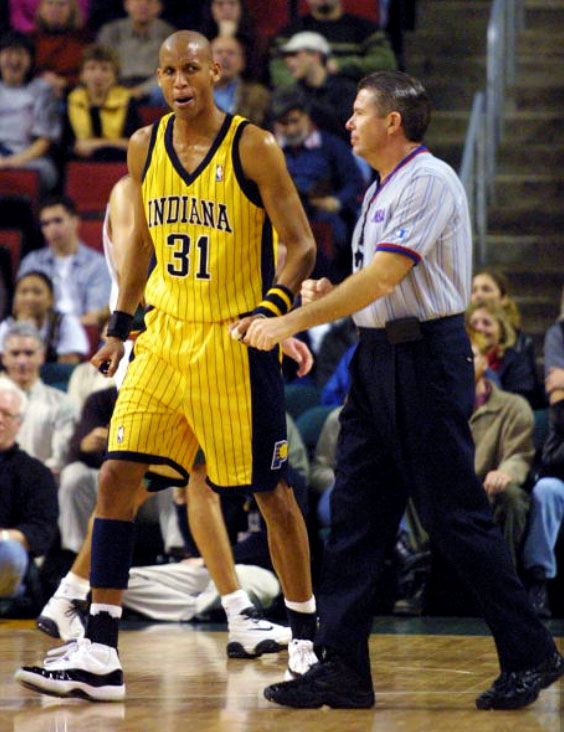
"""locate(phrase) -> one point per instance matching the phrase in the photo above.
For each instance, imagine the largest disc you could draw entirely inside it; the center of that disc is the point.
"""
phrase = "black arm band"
(277, 301)
(119, 325)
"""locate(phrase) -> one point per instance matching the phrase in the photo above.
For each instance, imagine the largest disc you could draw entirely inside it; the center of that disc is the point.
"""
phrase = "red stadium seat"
(89, 184)
(11, 239)
(151, 114)
(90, 232)
(20, 182)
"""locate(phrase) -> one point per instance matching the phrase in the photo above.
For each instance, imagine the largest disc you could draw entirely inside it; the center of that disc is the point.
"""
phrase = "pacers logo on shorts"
(119, 436)
(280, 454)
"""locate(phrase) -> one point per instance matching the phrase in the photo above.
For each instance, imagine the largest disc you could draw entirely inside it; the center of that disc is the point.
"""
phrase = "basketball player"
(249, 634)
(212, 194)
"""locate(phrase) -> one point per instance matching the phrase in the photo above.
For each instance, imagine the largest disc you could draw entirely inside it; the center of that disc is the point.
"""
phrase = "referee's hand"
(315, 289)
(107, 358)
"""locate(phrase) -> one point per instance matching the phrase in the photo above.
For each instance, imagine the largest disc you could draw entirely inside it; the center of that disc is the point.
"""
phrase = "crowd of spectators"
(76, 79)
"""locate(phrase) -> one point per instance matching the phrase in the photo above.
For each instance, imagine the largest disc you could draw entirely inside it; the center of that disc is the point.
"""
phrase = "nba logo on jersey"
(379, 215)
(219, 173)
(120, 435)
(280, 454)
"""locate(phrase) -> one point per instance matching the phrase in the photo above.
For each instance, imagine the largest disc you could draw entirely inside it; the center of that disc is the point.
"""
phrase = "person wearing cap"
(29, 116)
(358, 46)
(330, 95)
(324, 172)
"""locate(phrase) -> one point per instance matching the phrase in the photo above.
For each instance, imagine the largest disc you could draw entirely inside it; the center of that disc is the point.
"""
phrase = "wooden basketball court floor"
(427, 673)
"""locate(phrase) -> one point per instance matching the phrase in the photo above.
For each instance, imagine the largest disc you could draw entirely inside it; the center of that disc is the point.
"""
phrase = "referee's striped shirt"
(420, 211)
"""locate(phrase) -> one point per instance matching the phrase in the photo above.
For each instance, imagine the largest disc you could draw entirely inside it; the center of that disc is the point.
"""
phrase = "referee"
(404, 428)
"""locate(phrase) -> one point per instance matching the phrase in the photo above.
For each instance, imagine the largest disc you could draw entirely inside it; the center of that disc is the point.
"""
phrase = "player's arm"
(263, 162)
(353, 294)
(134, 249)
(127, 213)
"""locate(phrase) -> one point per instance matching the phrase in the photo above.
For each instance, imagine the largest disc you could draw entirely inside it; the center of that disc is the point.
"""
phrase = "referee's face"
(368, 127)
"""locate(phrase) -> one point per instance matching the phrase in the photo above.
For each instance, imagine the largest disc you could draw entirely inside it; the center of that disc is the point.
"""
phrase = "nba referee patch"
(280, 454)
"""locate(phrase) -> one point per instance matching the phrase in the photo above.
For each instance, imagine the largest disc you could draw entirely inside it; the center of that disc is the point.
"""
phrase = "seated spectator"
(232, 19)
(63, 336)
(100, 114)
(513, 368)
(323, 170)
(502, 426)
(28, 497)
(81, 279)
(60, 39)
(24, 12)
(232, 93)
(49, 421)
(29, 116)
(547, 498)
(85, 380)
(137, 40)
(79, 478)
(330, 96)
(358, 46)
(493, 286)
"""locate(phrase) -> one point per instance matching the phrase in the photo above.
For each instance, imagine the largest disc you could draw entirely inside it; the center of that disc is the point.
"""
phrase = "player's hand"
(107, 358)
(299, 352)
(239, 328)
(265, 333)
(496, 482)
(315, 289)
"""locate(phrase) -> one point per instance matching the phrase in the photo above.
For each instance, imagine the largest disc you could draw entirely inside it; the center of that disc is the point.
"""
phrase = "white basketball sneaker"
(63, 617)
(88, 670)
(301, 657)
(251, 635)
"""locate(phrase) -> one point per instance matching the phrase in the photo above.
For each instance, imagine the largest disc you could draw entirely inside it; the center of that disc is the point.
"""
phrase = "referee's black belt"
(407, 330)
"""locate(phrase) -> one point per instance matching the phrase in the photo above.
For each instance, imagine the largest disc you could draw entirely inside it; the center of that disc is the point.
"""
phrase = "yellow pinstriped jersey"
(215, 247)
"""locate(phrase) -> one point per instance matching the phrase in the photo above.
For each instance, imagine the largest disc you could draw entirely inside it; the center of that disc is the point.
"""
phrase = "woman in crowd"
(60, 41)
(232, 18)
(64, 337)
(514, 369)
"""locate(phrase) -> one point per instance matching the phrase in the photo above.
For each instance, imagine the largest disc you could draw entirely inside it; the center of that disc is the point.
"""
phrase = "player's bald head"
(187, 41)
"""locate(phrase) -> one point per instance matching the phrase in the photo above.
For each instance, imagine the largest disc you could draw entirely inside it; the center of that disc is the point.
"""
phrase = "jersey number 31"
(180, 267)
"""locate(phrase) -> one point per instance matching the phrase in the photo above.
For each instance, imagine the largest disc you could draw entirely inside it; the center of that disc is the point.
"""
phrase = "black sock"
(103, 628)
(303, 625)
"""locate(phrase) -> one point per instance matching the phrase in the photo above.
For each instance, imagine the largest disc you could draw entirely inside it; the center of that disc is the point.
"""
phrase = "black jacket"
(28, 498)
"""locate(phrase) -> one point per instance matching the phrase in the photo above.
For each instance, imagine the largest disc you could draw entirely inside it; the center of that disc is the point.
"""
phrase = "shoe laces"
(302, 655)
(64, 652)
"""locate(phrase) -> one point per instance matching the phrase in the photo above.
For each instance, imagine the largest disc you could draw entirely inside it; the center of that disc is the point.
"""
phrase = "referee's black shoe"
(327, 683)
(516, 689)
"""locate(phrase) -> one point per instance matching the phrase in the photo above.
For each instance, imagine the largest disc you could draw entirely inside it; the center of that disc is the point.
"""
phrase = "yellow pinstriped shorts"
(191, 385)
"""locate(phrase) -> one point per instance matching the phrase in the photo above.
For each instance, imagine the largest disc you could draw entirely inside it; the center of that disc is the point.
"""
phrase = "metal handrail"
(473, 173)
(482, 140)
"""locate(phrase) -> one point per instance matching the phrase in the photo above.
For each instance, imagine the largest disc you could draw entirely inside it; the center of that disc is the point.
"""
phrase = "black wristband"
(277, 301)
(119, 325)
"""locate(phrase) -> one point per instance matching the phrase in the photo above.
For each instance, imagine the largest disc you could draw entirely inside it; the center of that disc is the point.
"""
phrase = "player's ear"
(215, 71)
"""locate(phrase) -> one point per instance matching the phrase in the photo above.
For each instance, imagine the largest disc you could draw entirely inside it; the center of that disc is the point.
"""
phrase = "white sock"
(301, 607)
(235, 602)
(99, 607)
(73, 587)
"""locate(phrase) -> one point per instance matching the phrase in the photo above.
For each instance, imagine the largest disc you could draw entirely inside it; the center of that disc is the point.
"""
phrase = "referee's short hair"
(399, 92)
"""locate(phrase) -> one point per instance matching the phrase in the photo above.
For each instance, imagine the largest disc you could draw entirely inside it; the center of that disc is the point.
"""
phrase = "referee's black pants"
(404, 432)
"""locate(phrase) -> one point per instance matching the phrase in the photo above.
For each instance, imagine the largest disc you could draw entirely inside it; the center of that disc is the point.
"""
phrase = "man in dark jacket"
(28, 497)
